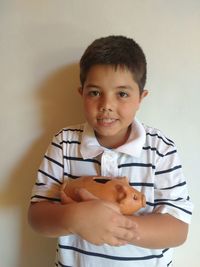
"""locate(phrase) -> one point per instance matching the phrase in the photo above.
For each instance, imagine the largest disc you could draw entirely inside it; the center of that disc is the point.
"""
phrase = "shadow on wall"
(59, 106)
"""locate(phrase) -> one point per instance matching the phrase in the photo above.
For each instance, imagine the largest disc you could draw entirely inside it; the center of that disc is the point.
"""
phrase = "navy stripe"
(169, 140)
(62, 265)
(142, 184)
(54, 161)
(160, 137)
(171, 152)
(47, 198)
(157, 152)
(50, 176)
(70, 142)
(166, 199)
(176, 185)
(169, 170)
(81, 159)
(71, 130)
(40, 184)
(153, 149)
(113, 257)
(168, 204)
(56, 145)
(169, 263)
(137, 165)
(70, 175)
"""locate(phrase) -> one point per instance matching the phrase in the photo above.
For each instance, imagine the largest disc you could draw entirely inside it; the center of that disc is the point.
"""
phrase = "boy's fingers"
(116, 242)
(128, 223)
(65, 199)
(127, 235)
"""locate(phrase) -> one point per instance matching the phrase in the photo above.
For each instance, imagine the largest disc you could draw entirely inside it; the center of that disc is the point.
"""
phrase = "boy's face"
(111, 99)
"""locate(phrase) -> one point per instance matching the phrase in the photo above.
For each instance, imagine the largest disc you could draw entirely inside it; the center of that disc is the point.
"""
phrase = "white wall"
(40, 45)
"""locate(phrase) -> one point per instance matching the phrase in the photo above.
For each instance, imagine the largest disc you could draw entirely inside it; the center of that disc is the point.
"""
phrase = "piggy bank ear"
(121, 192)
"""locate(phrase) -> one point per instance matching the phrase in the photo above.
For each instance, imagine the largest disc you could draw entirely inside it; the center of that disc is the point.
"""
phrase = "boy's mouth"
(106, 121)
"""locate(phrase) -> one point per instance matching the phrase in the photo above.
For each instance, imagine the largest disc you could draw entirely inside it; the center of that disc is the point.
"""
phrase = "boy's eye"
(93, 93)
(123, 94)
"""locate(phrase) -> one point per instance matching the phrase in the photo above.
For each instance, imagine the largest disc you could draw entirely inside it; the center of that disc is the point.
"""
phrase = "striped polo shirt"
(150, 161)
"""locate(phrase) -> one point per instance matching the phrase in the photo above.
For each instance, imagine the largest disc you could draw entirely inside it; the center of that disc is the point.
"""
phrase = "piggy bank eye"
(135, 197)
(101, 180)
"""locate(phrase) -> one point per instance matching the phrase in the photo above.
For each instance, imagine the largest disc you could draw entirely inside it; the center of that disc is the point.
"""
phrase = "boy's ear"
(80, 90)
(121, 192)
(144, 94)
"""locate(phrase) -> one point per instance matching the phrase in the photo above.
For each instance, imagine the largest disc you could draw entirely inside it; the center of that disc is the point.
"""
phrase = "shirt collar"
(91, 148)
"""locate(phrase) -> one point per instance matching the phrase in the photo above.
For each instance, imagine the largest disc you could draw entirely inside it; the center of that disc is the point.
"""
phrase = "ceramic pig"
(116, 190)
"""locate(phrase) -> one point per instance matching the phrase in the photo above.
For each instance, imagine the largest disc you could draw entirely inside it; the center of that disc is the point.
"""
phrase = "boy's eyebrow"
(90, 85)
(124, 87)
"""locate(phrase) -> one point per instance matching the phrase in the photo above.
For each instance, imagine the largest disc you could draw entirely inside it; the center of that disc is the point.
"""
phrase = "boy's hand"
(100, 222)
(64, 199)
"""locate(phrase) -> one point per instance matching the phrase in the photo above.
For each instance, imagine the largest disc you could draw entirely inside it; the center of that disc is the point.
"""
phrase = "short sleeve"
(171, 192)
(50, 173)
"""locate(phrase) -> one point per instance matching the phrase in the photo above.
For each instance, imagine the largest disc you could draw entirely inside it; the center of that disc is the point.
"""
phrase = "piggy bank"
(116, 190)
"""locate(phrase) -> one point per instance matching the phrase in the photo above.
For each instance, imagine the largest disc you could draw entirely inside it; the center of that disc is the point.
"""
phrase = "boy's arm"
(96, 221)
(158, 230)
(153, 231)
(47, 218)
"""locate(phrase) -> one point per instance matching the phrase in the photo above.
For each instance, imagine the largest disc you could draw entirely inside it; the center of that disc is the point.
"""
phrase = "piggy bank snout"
(143, 201)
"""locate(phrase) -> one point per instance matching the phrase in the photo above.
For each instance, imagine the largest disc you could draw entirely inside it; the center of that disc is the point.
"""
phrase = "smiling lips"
(106, 121)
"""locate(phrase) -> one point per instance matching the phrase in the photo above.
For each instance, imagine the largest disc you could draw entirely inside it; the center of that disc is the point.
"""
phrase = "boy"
(112, 143)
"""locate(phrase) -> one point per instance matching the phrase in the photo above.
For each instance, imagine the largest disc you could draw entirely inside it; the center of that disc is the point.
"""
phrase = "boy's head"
(116, 51)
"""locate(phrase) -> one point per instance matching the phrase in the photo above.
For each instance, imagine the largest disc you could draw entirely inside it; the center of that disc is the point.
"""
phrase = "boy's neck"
(110, 142)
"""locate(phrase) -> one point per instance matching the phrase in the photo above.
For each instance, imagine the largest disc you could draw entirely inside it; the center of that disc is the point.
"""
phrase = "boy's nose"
(102, 109)
(106, 104)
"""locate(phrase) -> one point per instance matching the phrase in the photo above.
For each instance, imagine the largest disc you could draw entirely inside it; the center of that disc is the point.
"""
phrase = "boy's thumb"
(65, 199)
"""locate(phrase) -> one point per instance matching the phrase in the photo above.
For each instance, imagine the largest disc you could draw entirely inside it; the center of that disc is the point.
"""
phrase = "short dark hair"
(117, 51)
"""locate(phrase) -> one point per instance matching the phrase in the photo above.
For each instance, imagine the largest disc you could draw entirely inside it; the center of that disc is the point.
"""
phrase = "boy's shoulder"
(73, 128)
(71, 131)
(157, 136)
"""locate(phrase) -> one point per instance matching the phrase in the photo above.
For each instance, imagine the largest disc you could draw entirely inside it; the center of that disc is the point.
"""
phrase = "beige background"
(40, 45)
